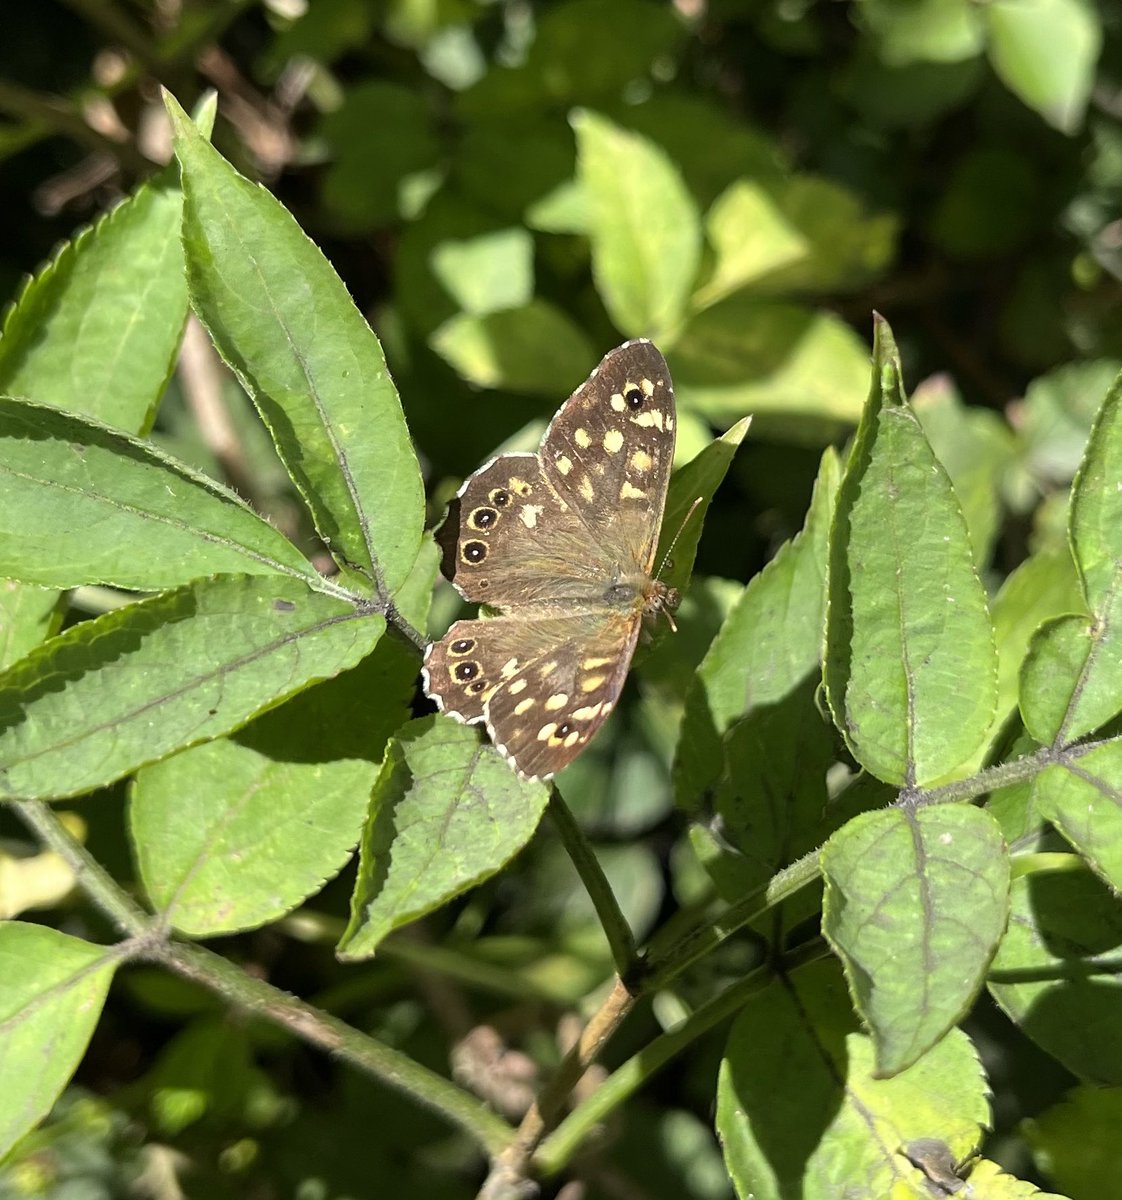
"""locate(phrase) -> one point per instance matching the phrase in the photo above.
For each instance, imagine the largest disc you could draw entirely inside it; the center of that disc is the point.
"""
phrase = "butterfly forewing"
(609, 450)
(563, 542)
(511, 541)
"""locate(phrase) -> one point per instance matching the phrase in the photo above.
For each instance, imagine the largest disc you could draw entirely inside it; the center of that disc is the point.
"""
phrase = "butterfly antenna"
(681, 528)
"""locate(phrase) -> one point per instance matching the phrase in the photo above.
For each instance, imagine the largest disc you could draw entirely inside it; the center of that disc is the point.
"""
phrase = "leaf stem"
(256, 996)
(621, 940)
(89, 874)
(338, 1038)
(558, 1148)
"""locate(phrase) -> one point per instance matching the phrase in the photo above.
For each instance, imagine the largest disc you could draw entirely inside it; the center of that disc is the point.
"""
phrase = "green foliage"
(845, 862)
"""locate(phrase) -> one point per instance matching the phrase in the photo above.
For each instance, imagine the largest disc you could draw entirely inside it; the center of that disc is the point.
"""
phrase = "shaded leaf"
(800, 1112)
(112, 694)
(1056, 971)
(915, 904)
(52, 988)
(446, 814)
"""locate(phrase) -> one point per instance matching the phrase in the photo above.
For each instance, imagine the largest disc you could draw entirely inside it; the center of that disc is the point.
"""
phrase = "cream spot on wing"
(645, 419)
(524, 706)
(519, 685)
(670, 424)
(590, 664)
(548, 668)
(572, 739)
(627, 492)
(647, 387)
(510, 667)
(608, 706)
(520, 486)
(529, 514)
(557, 701)
(641, 462)
(546, 731)
(613, 441)
(587, 713)
(582, 438)
(591, 682)
(564, 464)
(618, 403)
(586, 489)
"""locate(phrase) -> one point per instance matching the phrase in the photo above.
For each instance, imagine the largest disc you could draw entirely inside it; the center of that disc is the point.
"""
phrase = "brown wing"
(609, 450)
(510, 540)
(543, 686)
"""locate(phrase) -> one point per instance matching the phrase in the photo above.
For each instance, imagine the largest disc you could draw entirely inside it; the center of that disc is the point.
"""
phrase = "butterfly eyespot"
(473, 552)
(563, 730)
(634, 397)
(483, 518)
(462, 645)
(477, 686)
(499, 497)
(465, 671)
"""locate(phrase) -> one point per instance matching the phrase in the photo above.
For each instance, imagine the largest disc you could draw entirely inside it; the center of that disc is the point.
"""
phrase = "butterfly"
(562, 542)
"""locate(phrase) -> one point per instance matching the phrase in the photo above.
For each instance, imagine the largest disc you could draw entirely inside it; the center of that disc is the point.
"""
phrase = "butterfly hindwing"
(544, 687)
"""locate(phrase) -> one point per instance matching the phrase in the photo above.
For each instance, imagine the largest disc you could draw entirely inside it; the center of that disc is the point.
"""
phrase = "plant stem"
(508, 1172)
(338, 1038)
(556, 1150)
(89, 874)
(699, 942)
(621, 941)
(260, 998)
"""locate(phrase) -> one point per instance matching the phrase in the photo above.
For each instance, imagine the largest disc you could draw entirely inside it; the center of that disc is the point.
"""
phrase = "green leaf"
(52, 988)
(227, 838)
(1082, 797)
(801, 1113)
(1056, 971)
(283, 320)
(1072, 678)
(770, 643)
(910, 662)
(987, 1181)
(645, 229)
(446, 814)
(1075, 1142)
(924, 30)
(525, 349)
(915, 904)
(82, 503)
(803, 374)
(27, 616)
(1042, 587)
(488, 273)
(697, 481)
(848, 247)
(1058, 411)
(113, 694)
(751, 237)
(380, 136)
(1045, 51)
(770, 800)
(976, 448)
(278, 808)
(97, 330)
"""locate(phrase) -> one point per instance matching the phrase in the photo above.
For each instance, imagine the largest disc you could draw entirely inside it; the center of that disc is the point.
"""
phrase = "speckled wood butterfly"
(563, 543)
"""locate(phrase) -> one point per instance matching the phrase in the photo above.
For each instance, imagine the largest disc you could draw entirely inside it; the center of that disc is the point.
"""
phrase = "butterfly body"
(563, 543)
